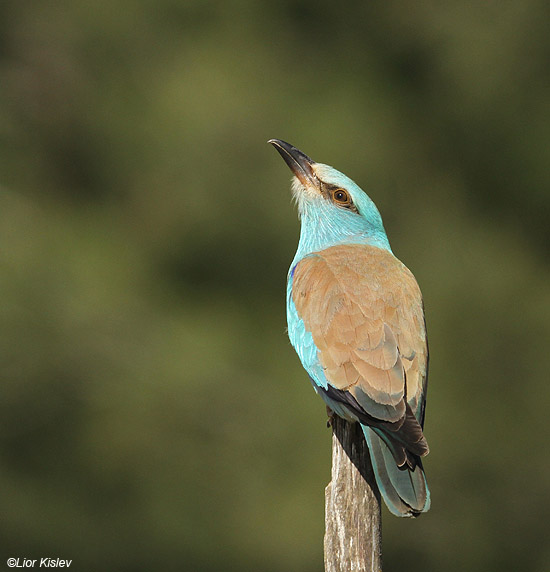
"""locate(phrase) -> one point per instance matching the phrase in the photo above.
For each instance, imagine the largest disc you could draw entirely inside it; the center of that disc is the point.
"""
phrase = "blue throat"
(320, 229)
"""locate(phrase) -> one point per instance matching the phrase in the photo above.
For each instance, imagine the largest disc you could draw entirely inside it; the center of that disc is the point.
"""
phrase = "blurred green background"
(152, 412)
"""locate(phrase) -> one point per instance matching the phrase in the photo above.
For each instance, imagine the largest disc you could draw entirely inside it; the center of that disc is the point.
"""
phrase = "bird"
(355, 317)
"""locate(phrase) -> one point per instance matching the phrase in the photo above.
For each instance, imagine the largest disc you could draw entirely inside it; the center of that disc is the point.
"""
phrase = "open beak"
(299, 163)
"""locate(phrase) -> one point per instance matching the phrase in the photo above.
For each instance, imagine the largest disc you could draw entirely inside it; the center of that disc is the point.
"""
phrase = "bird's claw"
(330, 414)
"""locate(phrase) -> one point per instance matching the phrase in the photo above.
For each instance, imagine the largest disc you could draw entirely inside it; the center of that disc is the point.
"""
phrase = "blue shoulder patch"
(303, 343)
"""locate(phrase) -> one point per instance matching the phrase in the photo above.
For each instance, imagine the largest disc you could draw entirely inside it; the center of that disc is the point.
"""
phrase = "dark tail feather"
(404, 490)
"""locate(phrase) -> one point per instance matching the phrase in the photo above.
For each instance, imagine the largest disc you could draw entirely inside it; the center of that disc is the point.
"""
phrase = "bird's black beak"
(299, 163)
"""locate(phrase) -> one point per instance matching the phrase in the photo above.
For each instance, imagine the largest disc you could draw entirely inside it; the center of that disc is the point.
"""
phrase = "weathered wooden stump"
(353, 527)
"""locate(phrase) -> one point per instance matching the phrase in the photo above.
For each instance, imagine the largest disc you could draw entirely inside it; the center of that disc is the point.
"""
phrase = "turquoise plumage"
(356, 319)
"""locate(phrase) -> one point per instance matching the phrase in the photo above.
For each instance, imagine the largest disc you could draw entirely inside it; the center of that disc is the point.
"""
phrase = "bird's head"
(330, 204)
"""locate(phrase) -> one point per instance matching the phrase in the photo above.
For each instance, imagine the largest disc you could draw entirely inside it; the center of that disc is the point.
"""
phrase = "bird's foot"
(330, 414)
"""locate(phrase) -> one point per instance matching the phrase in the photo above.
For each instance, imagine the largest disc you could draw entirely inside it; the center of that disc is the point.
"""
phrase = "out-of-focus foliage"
(152, 413)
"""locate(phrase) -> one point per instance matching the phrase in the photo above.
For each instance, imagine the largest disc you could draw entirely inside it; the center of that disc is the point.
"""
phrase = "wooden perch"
(353, 527)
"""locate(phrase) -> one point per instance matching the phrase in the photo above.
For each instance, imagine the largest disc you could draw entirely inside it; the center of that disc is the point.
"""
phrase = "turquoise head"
(333, 209)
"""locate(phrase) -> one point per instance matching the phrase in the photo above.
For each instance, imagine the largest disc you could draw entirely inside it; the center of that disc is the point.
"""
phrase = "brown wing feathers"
(364, 310)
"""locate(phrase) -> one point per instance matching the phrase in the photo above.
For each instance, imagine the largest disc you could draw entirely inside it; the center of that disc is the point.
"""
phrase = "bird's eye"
(341, 197)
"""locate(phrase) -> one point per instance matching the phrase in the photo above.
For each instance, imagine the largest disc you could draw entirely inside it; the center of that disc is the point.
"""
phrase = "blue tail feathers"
(405, 491)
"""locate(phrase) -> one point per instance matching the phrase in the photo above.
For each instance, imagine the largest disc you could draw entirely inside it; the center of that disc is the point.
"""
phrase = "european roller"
(356, 319)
